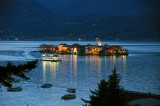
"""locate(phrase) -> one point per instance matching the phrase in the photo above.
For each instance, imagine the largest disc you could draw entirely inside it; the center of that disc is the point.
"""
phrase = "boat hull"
(68, 97)
(14, 89)
(52, 60)
(46, 86)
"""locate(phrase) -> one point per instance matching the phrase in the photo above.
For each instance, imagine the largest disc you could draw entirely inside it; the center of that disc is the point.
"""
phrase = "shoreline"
(81, 55)
(133, 95)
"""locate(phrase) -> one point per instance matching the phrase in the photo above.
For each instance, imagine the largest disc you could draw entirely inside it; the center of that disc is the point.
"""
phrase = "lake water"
(140, 71)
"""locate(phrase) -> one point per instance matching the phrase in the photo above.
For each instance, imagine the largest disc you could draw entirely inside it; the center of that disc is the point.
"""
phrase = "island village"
(88, 49)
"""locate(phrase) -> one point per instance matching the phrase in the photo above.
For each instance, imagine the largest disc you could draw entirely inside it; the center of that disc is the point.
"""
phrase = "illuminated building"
(87, 49)
(63, 48)
(48, 48)
(99, 41)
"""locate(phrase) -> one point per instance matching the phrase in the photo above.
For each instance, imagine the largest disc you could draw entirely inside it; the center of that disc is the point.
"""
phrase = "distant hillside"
(105, 7)
(26, 19)
(144, 27)
(30, 20)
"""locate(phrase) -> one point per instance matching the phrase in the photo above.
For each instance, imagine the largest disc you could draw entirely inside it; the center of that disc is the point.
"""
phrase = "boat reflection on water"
(49, 68)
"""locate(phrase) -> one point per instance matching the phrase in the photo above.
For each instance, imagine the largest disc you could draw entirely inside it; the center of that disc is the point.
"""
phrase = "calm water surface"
(140, 71)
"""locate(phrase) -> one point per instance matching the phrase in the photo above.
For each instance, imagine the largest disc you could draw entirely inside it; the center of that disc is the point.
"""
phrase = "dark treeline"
(109, 93)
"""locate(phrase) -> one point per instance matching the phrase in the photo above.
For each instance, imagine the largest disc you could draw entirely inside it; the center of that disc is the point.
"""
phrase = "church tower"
(99, 41)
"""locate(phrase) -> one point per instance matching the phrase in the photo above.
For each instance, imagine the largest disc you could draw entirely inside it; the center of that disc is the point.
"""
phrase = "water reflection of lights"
(124, 63)
(105, 61)
(52, 67)
(96, 61)
(44, 71)
(116, 61)
(71, 62)
(99, 67)
(111, 60)
(73, 69)
(120, 61)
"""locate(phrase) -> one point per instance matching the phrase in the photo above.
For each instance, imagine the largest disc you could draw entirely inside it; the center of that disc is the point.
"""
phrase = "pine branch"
(7, 72)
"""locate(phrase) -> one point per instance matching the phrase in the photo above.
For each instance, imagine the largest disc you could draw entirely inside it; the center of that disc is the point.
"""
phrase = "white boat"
(14, 89)
(50, 57)
(68, 96)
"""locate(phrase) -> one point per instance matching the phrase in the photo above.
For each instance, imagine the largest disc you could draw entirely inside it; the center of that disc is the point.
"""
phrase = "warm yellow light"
(99, 43)
(43, 55)
(75, 50)
(55, 58)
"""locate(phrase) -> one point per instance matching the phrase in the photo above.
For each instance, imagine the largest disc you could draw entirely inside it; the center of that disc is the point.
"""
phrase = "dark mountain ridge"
(106, 7)
(29, 20)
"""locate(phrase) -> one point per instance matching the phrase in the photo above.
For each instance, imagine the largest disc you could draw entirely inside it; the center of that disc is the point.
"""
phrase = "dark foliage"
(10, 72)
(81, 51)
(109, 93)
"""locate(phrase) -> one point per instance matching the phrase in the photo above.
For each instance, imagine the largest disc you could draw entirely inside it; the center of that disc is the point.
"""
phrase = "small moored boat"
(14, 89)
(46, 86)
(71, 90)
(68, 96)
